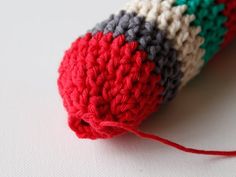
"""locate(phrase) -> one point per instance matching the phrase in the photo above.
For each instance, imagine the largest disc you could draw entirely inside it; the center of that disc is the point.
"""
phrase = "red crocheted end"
(102, 78)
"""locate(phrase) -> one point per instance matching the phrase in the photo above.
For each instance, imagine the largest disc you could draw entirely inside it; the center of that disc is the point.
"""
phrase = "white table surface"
(34, 136)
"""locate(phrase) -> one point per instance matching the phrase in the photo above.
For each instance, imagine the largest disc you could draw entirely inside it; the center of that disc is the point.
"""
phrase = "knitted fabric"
(230, 24)
(151, 40)
(127, 66)
(183, 37)
(106, 79)
(208, 16)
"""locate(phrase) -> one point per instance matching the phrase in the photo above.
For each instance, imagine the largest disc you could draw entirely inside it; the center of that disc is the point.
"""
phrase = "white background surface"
(35, 140)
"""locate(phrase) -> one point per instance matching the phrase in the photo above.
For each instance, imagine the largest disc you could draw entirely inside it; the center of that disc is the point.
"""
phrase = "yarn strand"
(126, 67)
(166, 141)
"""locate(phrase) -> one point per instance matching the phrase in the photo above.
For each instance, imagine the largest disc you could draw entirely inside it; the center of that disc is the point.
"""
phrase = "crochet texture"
(130, 64)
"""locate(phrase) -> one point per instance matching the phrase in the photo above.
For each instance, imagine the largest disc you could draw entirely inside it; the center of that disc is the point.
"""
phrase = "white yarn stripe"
(176, 24)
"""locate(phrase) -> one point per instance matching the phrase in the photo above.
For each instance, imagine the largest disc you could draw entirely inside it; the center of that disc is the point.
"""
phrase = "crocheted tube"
(130, 64)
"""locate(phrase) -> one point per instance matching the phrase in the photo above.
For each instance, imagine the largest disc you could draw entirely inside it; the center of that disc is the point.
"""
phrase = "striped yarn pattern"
(153, 41)
(207, 16)
(130, 64)
(176, 25)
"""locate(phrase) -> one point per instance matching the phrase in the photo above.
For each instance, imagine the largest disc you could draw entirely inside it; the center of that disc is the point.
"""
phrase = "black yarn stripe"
(153, 41)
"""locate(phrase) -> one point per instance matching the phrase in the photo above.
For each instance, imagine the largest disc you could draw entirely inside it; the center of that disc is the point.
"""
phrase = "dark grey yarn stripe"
(153, 41)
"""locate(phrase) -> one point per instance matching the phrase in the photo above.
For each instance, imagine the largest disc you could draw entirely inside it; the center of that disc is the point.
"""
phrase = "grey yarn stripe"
(153, 41)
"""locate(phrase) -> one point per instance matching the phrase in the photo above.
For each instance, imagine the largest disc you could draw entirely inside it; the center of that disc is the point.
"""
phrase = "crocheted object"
(127, 66)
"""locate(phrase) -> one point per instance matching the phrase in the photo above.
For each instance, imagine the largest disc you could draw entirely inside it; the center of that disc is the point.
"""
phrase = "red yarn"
(167, 142)
(109, 87)
(230, 13)
(107, 79)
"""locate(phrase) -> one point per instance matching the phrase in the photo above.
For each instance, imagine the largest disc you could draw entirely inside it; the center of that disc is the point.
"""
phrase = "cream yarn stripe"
(176, 24)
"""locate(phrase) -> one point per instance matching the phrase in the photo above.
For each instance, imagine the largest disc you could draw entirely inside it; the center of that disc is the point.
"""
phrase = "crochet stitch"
(230, 24)
(184, 38)
(107, 79)
(207, 16)
(126, 67)
(151, 40)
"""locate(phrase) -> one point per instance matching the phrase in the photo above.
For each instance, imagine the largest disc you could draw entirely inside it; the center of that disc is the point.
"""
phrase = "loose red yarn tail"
(168, 142)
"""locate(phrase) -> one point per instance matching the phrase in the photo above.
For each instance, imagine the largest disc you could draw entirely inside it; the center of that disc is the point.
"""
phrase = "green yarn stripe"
(210, 19)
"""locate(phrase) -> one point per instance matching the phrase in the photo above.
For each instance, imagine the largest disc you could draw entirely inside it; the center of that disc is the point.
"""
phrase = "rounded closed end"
(105, 78)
